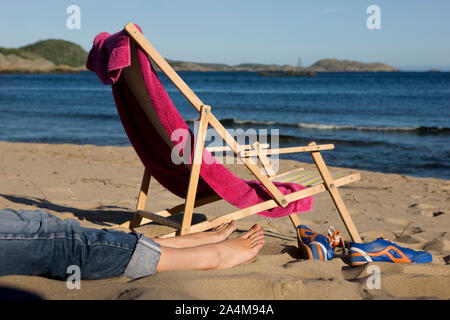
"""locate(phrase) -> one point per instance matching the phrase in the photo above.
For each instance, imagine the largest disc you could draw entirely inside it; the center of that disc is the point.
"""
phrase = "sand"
(99, 187)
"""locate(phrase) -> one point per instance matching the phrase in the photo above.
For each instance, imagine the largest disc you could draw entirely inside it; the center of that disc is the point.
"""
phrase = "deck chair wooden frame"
(245, 154)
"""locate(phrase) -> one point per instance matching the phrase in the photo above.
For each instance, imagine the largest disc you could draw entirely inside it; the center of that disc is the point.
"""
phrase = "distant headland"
(60, 56)
(47, 56)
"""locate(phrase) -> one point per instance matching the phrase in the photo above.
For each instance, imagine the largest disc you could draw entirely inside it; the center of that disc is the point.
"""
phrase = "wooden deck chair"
(321, 181)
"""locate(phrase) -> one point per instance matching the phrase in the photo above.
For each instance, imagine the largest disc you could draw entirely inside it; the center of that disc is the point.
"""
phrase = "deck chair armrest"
(320, 147)
(227, 148)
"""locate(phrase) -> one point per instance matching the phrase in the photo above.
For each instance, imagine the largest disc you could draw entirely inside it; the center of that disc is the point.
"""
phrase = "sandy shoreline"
(99, 186)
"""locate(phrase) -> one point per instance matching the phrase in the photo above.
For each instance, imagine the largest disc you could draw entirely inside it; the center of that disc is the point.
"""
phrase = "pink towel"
(108, 56)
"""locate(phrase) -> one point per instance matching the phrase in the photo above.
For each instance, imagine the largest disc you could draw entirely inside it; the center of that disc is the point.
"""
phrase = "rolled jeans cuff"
(145, 258)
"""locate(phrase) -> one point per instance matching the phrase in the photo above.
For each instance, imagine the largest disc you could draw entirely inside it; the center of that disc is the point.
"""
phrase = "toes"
(224, 226)
(250, 232)
(220, 227)
(258, 244)
(256, 238)
(256, 234)
(256, 227)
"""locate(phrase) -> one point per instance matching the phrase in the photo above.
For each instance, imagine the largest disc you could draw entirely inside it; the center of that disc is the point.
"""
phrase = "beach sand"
(99, 187)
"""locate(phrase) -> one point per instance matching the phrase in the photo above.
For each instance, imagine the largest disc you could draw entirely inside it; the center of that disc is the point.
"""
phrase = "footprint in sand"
(426, 210)
(440, 245)
(96, 180)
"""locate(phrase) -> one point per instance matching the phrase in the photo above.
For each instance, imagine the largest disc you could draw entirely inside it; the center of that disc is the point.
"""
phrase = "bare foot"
(218, 234)
(224, 230)
(242, 249)
(225, 254)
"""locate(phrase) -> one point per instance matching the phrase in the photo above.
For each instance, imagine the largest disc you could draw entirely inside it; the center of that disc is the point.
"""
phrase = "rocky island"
(335, 65)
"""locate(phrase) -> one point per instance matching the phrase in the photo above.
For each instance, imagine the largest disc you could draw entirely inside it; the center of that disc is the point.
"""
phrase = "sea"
(395, 122)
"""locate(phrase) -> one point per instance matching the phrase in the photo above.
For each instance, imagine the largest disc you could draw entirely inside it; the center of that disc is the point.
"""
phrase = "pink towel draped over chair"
(109, 55)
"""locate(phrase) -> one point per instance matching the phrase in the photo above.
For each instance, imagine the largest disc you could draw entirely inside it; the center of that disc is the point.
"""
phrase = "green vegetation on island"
(60, 52)
(47, 56)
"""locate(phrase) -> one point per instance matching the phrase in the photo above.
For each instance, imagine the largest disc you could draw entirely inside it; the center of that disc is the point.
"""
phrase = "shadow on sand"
(103, 215)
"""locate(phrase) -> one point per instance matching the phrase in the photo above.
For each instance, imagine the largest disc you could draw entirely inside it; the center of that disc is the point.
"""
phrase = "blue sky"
(414, 34)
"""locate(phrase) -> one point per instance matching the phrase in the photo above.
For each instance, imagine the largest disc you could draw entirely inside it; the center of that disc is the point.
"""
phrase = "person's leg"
(39, 243)
(217, 234)
(225, 254)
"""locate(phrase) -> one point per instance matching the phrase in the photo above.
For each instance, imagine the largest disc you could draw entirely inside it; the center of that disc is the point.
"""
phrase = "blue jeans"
(39, 243)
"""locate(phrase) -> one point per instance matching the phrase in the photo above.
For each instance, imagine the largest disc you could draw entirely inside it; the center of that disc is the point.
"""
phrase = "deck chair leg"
(337, 199)
(142, 198)
(195, 170)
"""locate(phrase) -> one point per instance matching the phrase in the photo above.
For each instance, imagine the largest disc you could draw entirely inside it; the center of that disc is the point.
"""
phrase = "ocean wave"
(420, 130)
(417, 130)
